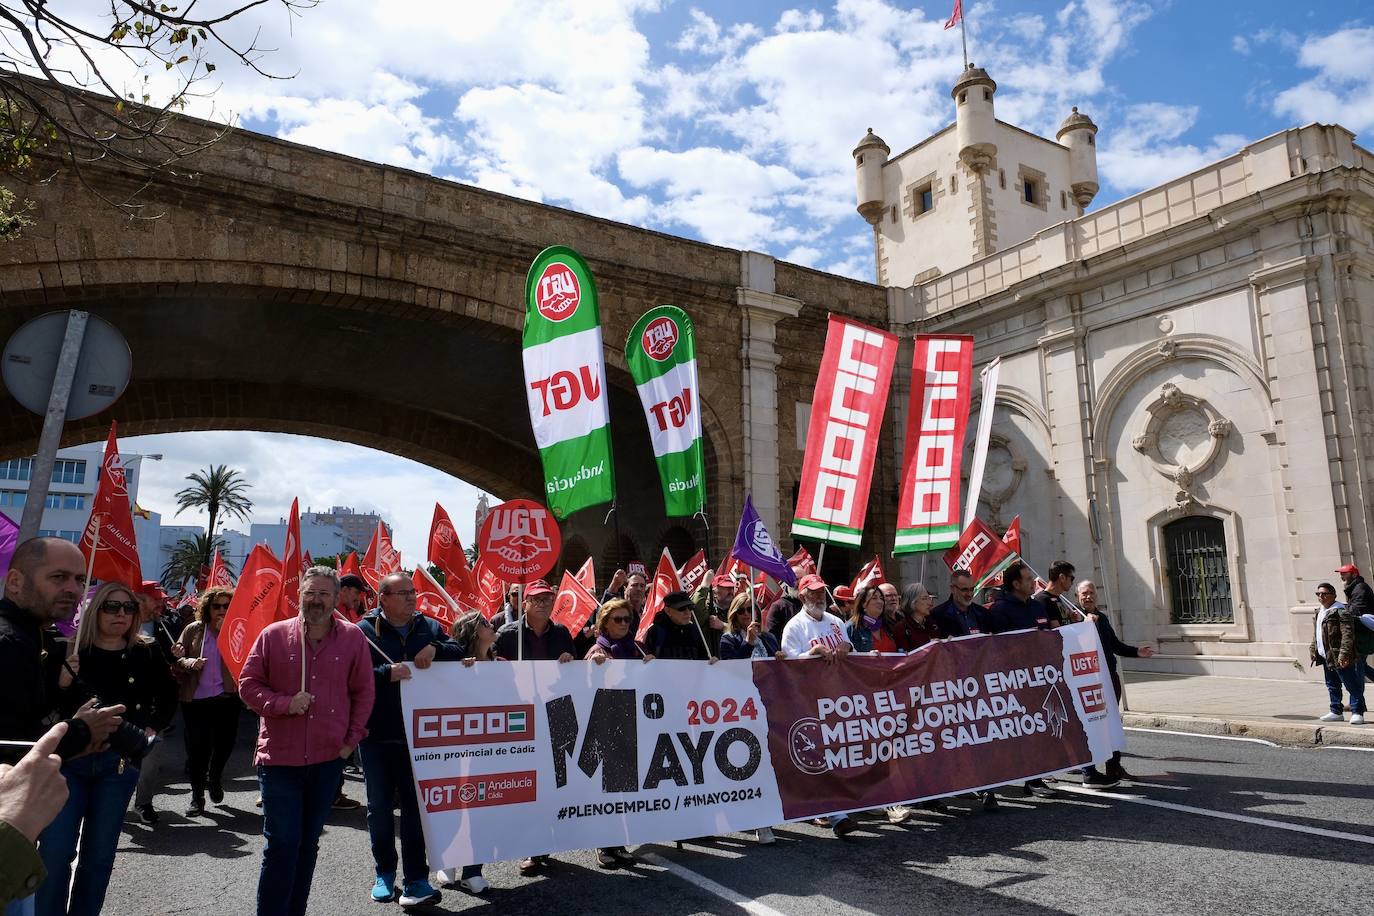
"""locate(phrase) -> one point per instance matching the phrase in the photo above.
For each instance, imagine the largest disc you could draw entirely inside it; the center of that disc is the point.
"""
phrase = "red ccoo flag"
(574, 606)
(108, 542)
(694, 572)
(981, 552)
(289, 600)
(251, 609)
(430, 599)
(665, 583)
(802, 560)
(870, 574)
(956, 16)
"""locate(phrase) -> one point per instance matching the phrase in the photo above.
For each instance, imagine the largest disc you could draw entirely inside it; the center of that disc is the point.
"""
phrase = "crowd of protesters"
(326, 689)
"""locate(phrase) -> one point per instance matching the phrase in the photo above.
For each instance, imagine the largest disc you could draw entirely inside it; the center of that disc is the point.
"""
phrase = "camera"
(127, 740)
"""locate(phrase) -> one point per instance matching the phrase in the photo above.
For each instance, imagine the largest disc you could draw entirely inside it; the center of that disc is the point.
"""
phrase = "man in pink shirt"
(310, 679)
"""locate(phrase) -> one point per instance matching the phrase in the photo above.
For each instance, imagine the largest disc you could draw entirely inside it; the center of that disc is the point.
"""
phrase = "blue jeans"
(295, 804)
(25, 907)
(1352, 679)
(386, 768)
(97, 796)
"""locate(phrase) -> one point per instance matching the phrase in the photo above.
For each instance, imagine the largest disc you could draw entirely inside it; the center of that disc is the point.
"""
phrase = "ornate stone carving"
(1143, 443)
(1182, 436)
(1167, 349)
(1219, 428)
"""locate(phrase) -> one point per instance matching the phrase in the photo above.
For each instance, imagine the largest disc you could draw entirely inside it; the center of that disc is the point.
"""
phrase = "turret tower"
(1079, 134)
(869, 158)
(976, 124)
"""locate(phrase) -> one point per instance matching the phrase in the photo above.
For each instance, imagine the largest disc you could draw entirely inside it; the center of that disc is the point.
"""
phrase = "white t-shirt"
(802, 632)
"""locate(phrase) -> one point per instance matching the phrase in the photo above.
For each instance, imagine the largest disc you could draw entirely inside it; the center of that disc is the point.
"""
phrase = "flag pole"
(963, 34)
(95, 545)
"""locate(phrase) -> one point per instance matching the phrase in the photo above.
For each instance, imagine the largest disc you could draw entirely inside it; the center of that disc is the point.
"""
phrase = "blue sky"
(733, 122)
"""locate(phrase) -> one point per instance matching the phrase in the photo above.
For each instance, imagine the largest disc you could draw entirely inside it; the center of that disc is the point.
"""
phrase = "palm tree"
(218, 490)
(187, 559)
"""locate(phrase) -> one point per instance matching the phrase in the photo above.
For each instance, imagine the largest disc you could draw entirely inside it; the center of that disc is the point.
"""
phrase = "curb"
(1286, 734)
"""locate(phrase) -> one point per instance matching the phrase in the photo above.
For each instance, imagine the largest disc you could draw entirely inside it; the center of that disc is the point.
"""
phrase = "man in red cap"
(712, 601)
(844, 602)
(533, 638)
(1348, 642)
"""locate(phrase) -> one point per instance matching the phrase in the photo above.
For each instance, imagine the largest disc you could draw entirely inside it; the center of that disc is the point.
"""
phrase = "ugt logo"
(557, 294)
(660, 338)
(519, 532)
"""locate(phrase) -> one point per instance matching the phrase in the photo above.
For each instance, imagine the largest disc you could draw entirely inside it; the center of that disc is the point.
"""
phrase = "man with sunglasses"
(400, 638)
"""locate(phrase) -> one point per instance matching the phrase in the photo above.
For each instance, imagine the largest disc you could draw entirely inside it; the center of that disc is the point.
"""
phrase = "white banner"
(986, 407)
(565, 387)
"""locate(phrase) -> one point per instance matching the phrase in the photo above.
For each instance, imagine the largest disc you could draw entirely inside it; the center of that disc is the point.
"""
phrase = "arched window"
(1199, 578)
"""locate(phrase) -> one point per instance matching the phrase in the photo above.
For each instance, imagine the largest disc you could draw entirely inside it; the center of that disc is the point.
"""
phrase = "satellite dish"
(29, 365)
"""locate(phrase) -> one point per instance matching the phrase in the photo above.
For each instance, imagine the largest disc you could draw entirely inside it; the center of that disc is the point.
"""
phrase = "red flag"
(842, 441)
(763, 595)
(694, 572)
(430, 599)
(981, 552)
(307, 561)
(665, 582)
(956, 16)
(252, 608)
(491, 591)
(289, 602)
(350, 566)
(189, 596)
(586, 576)
(445, 550)
(381, 559)
(110, 528)
(219, 573)
(732, 565)
(802, 560)
(574, 607)
(1013, 536)
(870, 574)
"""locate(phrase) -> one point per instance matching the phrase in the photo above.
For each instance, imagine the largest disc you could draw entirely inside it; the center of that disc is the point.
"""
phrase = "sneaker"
(1118, 773)
(1357, 719)
(147, 814)
(384, 888)
(197, 808)
(446, 877)
(765, 835)
(474, 885)
(1037, 788)
(1098, 781)
(844, 826)
(1332, 717)
(217, 793)
(532, 865)
(623, 855)
(990, 802)
(899, 814)
(419, 893)
(344, 803)
(606, 859)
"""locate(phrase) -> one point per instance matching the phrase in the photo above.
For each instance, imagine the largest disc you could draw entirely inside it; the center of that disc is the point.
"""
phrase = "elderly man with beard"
(310, 679)
(814, 631)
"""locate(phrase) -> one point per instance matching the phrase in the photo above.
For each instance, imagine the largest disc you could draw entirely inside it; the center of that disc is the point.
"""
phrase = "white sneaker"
(1357, 719)
(898, 814)
(765, 835)
(447, 877)
(474, 885)
(1332, 717)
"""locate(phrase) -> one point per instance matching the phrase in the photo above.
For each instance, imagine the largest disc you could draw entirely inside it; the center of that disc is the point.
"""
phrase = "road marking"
(1345, 747)
(1223, 815)
(706, 884)
(1165, 731)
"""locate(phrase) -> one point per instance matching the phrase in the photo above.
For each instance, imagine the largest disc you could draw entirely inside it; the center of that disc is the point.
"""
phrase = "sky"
(733, 123)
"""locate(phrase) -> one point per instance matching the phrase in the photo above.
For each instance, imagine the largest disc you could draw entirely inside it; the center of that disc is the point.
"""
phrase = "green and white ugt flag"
(565, 381)
(662, 353)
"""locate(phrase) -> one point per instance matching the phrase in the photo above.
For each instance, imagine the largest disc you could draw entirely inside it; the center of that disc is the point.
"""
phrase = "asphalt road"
(1260, 830)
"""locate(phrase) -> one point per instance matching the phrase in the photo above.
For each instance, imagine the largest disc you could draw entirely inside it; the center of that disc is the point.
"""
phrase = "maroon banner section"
(961, 715)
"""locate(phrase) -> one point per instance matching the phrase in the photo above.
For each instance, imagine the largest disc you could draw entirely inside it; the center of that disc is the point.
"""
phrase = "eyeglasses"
(1326, 594)
(220, 606)
(119, 607)
(618, 619)
(398, 591)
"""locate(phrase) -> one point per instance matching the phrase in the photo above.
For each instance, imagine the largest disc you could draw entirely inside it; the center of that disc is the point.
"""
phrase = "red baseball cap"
(844, 593)
(723, 581)
(538, 587)
(1349, 568)
(810, 581)
(152, 588)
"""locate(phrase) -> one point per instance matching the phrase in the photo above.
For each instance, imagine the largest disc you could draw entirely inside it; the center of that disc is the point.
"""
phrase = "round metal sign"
(30, 358)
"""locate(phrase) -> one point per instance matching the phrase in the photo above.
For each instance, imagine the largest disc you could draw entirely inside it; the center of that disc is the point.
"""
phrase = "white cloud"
(1342, 91)
(1144, 148)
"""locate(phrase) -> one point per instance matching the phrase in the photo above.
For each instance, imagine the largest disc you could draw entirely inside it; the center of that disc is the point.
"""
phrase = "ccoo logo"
(557, 294)
(660, 338)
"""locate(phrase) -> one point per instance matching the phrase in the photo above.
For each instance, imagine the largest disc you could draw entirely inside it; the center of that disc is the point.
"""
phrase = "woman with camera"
(108, 663)
(210, 699)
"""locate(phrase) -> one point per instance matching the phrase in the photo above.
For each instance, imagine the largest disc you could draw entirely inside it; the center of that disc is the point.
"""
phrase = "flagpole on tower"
(963, 34)
(957, 16)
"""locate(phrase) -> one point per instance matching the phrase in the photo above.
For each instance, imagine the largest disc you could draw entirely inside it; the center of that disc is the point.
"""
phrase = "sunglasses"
(119, 607)
(618, 619)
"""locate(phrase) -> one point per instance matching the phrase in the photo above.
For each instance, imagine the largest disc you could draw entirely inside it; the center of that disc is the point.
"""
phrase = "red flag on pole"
(763, 595)
(955, 16)
(108, 542)
(665, 583)
(289, 602)
(219, 573)
(381, 558)
(981, 552)
(1012, 538)
(445, 549)
(350, 566)
(586, 576)
(694, 572)
(802, 560)
(430, 599)
(870, 574)
(252, 608)
(491, 591)
(574, 606)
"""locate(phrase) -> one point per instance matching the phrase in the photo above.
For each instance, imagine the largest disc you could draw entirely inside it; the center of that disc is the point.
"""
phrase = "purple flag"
(754, 546)
(9, 539)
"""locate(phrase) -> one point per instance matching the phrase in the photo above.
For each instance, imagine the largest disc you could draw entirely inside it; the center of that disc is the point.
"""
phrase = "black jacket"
(1356, 638)
(1011, 613)
(734, 645)
(386, 723)
(951, 624)
(1111, 645)
(666, 639)
(557, 640)
(140, 678)
(30, 658)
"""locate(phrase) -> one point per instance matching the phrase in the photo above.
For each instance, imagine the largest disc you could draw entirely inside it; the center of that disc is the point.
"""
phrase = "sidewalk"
(1284, 712)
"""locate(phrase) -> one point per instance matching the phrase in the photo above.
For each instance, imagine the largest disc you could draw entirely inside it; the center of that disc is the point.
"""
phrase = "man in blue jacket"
(400, 637)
